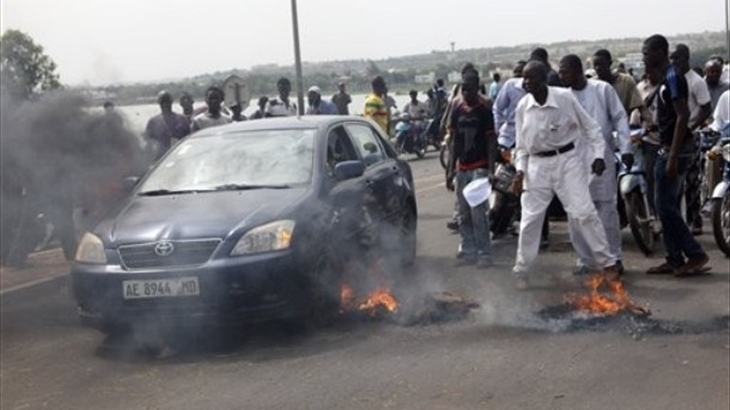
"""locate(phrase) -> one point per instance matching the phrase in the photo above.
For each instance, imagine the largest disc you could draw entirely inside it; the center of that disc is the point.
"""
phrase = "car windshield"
(235, 161)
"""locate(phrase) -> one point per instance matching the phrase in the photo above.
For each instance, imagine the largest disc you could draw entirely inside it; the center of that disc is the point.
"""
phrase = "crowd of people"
(563, 127)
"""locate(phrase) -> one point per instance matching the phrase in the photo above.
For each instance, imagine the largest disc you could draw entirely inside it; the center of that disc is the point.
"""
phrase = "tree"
(24, 68)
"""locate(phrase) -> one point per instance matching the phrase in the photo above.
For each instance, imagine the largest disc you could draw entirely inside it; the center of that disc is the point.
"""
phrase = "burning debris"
(612, 300)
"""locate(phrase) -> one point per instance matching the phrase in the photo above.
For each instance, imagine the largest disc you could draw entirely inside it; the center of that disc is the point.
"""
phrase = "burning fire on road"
(606, 297)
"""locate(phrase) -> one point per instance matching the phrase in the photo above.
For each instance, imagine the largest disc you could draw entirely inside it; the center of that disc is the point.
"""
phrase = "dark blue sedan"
(246, 222)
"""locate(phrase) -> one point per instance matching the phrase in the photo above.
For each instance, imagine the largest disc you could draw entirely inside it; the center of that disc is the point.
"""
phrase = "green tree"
(24, 68)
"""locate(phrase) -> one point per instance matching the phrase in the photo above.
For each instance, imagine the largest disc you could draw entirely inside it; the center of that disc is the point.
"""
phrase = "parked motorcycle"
(408, 137)
(720, 215)
(432, 133)
(503, 204)
(633, 201)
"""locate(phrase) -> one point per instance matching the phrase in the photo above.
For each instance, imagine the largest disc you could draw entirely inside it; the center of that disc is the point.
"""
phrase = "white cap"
(315, 89)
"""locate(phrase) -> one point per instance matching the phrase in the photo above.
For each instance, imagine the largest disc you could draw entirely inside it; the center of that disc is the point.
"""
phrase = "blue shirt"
(493, 90)
(325, 108)
(504, 109)
(674, 87)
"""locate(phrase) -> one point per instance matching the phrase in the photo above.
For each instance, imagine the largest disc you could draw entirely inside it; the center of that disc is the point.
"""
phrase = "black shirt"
(673, 87)
(471, 127)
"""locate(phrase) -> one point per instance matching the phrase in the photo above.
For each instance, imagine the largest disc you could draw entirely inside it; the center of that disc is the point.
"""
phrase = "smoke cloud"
(59, 154)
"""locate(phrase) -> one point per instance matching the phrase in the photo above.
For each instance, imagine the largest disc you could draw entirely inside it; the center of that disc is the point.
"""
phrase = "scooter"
(720, 198)
(408, 138)
(634, 204)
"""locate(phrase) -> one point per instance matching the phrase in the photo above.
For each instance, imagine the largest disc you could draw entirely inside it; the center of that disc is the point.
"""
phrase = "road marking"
(29, 284)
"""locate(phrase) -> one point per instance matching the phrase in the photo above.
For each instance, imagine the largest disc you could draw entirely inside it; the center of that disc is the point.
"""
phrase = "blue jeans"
(474, 222)
(678, 240)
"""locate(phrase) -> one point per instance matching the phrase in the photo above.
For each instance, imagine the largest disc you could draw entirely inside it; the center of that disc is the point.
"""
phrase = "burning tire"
(640, 222)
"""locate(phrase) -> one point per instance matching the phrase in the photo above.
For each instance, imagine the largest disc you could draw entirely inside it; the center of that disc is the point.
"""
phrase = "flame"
(610, 303)
(379, 297)
(347, 297)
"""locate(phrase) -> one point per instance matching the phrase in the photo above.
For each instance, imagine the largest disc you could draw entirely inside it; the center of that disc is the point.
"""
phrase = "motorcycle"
(720, 198)
(503, 204)
(432, 133)
(633, 200)
(408, 137)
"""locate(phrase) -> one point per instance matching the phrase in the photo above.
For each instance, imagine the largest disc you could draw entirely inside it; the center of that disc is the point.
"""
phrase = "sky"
(100, 42)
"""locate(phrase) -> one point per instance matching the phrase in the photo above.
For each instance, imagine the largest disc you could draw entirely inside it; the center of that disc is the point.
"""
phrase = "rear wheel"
(721, 222)
(640, 222)
(444, 156)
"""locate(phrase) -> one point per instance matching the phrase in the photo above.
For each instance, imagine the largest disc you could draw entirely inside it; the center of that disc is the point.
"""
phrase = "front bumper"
(232, 291)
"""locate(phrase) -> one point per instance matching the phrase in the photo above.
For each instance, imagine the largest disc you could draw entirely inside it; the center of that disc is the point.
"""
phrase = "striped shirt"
(376, 110)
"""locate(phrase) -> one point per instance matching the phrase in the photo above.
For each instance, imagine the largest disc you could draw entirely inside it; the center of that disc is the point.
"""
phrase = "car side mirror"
(130, 183)
(349, 169)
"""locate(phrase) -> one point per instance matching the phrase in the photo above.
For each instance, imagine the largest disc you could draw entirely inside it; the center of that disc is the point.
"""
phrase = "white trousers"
(562, 175)
(608, 214)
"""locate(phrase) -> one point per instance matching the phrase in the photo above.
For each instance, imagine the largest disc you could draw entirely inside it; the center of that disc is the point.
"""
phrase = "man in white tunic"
(549, 123)
(600, 100)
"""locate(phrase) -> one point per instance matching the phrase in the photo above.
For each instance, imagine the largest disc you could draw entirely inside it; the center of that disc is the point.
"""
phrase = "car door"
(346, 199)
(382, 172)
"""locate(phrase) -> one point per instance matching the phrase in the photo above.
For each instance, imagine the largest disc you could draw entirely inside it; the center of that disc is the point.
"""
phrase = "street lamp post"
(297, 58)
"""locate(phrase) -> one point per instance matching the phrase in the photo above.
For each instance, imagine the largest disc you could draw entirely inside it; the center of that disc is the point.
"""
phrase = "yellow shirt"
(376, 110)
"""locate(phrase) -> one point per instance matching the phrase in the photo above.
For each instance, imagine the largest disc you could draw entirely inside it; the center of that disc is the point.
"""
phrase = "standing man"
(673, 161)
(186, 102)
(699, 105)
(550, 123)
(541, 55)
(601, 102)
(342, 99)
(472, 126)
(166, 128)
(281, 106)
(624, 84)
(375, 108)
(237, 112)
(504, 108)
(715, 85)
(494, 87)
(212, 117)
(259, 113)
(318, 106)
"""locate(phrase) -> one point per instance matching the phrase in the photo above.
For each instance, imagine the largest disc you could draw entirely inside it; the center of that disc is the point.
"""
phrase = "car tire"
(323, 296)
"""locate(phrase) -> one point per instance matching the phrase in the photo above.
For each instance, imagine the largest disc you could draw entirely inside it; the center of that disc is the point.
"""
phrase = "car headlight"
(273, 236)
(91, 250)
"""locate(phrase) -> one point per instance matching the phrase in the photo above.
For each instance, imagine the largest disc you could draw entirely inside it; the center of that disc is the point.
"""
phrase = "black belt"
(561, 150)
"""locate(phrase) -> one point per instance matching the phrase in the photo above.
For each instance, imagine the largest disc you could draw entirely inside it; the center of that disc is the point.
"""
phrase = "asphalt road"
(504, 355)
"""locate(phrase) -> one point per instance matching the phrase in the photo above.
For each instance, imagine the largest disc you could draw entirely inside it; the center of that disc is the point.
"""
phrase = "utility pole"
(297, 58)
(727, 28)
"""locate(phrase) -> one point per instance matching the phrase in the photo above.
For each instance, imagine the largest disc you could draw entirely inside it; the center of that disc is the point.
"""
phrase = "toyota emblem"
(164, 248)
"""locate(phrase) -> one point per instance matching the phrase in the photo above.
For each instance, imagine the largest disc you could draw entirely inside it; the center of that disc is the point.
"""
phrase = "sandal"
(663, 269)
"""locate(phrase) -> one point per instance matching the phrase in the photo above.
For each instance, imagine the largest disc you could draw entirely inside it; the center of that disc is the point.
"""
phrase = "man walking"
(212, 116)
(342, 100)
(601, 102)
(672, 163)
(549, 123)
(166, 128)
(472, 126)
(375, 108)
(624, 84)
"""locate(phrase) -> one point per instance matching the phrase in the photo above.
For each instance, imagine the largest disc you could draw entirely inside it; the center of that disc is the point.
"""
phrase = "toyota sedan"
(246, 222)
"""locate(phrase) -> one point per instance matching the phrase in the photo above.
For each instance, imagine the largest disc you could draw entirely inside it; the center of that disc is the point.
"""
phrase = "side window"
(366, 143)
(339, 148)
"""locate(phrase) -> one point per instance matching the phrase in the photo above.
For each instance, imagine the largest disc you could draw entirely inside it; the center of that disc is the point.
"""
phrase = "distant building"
(633, 60)
(429, 78)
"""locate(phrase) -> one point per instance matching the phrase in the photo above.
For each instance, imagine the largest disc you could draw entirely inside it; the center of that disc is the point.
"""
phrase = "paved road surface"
(503, 356)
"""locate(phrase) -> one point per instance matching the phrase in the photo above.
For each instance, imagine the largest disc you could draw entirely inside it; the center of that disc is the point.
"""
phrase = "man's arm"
(702, 94)
(521, 155)
(592, 130)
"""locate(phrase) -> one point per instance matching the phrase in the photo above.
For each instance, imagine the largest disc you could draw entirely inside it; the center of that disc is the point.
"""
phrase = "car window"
(367, 143)
(238, 159)
(339, 148)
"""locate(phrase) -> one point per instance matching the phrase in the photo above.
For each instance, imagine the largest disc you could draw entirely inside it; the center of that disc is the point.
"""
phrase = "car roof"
(274, 123)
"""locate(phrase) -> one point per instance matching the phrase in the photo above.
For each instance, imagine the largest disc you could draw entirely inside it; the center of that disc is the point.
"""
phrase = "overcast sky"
(108, 41)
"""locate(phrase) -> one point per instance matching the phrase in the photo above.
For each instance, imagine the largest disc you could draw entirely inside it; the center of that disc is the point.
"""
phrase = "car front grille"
(184, 253)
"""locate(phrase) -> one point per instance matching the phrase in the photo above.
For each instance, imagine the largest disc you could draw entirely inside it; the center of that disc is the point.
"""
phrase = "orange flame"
(609, 304)
(347, 297)
(379, 297)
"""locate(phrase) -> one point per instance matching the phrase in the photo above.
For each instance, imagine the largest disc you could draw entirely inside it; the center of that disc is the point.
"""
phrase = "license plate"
(159, 288)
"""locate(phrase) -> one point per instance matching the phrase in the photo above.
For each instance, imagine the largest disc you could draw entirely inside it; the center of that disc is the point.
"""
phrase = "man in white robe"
(600, 100)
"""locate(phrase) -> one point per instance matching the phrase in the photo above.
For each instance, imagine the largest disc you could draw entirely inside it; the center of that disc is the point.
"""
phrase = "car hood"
(198, 215)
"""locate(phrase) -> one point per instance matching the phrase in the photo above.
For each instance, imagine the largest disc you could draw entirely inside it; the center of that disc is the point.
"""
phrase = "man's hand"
(628, 160)
(598, 166)
(516, 186)
(672, 166)
(450, 181)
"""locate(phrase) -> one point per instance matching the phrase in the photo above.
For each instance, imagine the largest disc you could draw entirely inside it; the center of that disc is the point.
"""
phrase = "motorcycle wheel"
(444, 156)
(421, 152)
(721, 222)
(640, 222)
